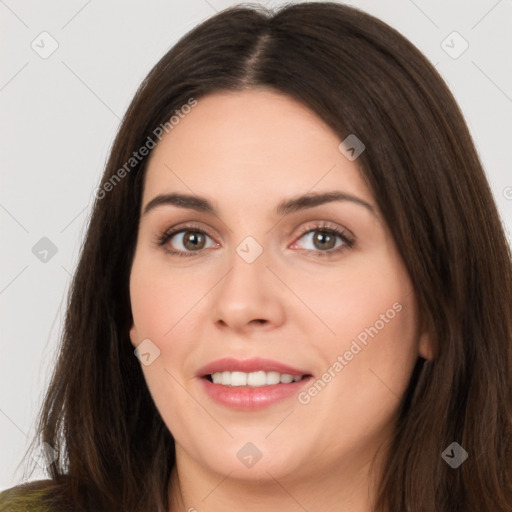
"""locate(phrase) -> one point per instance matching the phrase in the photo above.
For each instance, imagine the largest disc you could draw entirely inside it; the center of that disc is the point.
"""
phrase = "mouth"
(251, 384)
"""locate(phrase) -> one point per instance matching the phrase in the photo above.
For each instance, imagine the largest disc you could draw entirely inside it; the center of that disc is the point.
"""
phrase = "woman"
(295, 237)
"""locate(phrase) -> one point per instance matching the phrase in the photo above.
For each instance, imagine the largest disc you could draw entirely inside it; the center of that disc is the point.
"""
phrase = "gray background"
(60, 115)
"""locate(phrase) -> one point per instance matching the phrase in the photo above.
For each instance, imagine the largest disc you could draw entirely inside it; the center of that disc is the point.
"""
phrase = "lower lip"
(244, 398)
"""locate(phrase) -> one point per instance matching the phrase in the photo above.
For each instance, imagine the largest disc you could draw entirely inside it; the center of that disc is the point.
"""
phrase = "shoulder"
(26, 497)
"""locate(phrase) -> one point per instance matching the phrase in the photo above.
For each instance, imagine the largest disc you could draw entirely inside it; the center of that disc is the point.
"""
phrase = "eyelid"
(187, 226)
(324, 225)
(348, 239)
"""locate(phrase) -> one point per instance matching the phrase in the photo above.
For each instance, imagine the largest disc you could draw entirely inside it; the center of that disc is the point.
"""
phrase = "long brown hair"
(361, 77)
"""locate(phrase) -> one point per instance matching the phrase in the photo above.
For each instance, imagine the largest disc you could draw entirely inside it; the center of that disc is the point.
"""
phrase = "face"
(234, 286)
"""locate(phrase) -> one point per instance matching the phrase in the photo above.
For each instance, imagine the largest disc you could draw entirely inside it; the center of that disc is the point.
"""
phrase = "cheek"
(160, 301)
(352, 298)
(367, 363)
(368, 317)
(165, 305)
(371, 302)
(161, 296)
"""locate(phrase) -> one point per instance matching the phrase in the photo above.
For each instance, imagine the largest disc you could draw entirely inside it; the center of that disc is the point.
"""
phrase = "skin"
(245, 152)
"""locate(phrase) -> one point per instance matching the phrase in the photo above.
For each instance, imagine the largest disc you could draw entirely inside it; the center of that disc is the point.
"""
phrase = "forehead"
(245, 144)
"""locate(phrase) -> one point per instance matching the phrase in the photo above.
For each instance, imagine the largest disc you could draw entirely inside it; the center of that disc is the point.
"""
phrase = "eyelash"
(324, 227)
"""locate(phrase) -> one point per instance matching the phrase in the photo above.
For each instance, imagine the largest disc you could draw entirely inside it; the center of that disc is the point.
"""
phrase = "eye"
(325, 239)
(186, 240)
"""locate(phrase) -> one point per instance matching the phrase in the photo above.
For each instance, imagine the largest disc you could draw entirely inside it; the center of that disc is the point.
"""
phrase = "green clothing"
(27, 497)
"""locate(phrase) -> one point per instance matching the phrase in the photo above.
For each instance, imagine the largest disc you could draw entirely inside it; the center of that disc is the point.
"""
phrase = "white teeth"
(256, 379)
(272, 378)
(238, 379)
(253, 379)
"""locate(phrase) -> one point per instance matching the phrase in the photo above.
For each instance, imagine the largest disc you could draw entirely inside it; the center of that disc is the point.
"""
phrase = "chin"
(256, 462)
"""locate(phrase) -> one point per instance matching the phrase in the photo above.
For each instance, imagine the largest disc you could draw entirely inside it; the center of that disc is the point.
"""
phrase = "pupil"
(322, 237)
(192, 240)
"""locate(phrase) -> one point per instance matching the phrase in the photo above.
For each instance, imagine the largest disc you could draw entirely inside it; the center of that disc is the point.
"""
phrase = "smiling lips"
(250, 384)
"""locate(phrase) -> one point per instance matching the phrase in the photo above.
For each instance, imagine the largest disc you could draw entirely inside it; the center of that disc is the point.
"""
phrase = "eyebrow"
(294, 204)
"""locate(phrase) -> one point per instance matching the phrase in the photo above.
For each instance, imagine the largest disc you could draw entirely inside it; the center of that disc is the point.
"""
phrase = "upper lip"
(230, 364)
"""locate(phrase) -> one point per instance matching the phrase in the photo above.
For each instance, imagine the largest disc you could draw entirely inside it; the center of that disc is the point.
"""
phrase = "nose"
(249, 297)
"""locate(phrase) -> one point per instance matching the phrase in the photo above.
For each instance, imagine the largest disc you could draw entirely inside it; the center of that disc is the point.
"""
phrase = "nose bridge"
(248, 274)
(249, 291)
